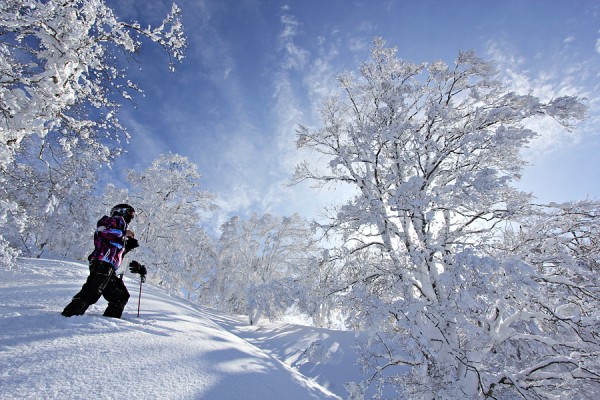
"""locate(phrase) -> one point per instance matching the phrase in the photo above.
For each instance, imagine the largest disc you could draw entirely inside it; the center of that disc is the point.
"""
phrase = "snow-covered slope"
(327, 356)
(175, 350)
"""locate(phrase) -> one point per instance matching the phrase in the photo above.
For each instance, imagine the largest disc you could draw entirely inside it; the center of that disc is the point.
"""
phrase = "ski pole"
(140, 297)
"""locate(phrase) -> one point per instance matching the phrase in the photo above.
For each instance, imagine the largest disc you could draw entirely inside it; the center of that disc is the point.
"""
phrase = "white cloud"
(358, 45)
(547, 80)
(288, 93)
(296, 97)
(238, 200)
(294, 56)
(320, 81)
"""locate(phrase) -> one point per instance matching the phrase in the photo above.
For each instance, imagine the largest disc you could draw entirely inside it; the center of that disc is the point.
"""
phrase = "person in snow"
(112, 240)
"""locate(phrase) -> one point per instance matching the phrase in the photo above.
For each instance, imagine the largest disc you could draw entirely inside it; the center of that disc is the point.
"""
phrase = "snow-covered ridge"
(175, 350)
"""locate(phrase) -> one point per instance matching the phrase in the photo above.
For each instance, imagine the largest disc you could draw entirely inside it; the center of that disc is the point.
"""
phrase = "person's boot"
(114, 310)
(75, 307)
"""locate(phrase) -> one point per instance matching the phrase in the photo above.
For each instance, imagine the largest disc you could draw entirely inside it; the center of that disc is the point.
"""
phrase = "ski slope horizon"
(174, 350)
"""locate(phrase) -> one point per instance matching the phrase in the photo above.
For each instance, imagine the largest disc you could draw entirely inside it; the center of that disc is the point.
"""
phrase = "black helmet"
(123, 210)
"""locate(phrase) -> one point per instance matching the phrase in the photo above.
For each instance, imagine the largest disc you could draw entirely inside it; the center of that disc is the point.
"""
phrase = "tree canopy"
(432, 150)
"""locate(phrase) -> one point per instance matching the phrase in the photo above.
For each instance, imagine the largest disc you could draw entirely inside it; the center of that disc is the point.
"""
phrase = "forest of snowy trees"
(466, 287)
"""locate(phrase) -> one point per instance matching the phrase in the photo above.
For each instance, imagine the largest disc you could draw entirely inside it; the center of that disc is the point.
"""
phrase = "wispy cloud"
(288, 110)
(295, 57)
(302, 81)
(547, 80)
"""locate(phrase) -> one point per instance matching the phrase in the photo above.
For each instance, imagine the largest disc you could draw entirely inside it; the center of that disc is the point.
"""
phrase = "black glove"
(137, 268)
(131, 244)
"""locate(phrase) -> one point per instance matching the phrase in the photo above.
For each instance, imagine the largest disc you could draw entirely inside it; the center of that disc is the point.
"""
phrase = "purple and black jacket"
(109, 241)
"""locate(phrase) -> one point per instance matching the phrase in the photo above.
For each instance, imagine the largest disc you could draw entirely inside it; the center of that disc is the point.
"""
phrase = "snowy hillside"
(175, 350)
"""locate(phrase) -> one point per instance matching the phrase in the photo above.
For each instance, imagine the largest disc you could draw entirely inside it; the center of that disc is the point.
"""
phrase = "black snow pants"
(102, 281)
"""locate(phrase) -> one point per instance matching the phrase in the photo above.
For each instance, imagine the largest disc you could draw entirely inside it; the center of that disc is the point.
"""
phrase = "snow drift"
(175, 350)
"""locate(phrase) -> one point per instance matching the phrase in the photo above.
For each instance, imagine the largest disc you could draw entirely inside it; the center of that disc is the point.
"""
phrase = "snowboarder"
(112, 240)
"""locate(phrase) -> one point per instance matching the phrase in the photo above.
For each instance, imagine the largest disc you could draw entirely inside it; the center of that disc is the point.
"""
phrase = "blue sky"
(255, 69)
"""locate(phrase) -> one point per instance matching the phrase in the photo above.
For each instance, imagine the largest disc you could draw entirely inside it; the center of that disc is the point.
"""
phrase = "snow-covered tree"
(266, 265)
(60, 73)
(556, 351)
(169, 206)
(62, 79)
(432, 150)
(558, 234)
(54, 205)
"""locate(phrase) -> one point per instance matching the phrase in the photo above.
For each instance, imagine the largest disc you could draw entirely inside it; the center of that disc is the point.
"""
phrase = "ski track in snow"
(173, 351)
